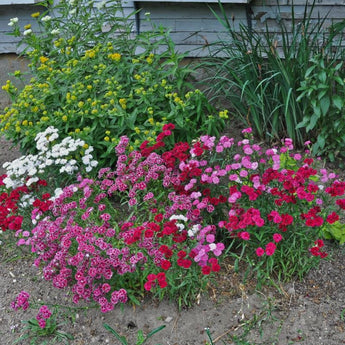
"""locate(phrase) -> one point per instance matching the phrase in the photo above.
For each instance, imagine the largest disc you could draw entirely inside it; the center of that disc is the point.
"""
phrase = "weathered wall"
(193, 26)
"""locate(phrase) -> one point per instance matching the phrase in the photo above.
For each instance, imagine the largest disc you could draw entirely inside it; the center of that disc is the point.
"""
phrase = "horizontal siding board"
(191, 24)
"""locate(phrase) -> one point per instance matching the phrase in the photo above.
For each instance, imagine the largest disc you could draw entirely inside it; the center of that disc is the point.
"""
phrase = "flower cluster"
(51, 155)
(13, 203)
(99, 92)
(43, 315)
(22, 301)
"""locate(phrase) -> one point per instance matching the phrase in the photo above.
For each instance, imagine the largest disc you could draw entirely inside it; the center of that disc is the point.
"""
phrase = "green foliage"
(50, 334)
(261, 80)
(100, 91)
(324, 86)
(141, 338)
(335, 231)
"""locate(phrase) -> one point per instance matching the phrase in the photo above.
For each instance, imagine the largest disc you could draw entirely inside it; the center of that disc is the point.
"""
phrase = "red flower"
(206, 270)
(165, 264)
(332, 218)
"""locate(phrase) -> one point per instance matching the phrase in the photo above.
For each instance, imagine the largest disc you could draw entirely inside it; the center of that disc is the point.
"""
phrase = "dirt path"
(309, 312)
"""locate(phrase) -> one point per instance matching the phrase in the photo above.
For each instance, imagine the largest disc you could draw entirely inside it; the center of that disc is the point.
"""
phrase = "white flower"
(13, 21)
(27, 32)
(46, 18)
(55, 32)
(31, 180)
(73, 11)
(57, 193)
(179, 217)
(212, 246)
(86, 159)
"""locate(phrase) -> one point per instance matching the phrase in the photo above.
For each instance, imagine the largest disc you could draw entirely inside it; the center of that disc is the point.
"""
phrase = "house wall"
(193, 27)
(191, 24)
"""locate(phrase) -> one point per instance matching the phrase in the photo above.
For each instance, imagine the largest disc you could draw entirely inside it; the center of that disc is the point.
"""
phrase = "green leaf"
(312, 122)
(338, 102)
(321, 140)
(322, 76)
(154, 332)
(324, 104)
(334, 231)
(119, 337)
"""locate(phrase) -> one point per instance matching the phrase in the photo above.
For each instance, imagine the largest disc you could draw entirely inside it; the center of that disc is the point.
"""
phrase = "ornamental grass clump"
(163, 219)
(281, 81)
(96, 85)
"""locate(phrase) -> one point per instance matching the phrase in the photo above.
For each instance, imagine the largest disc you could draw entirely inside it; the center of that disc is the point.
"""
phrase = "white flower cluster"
(13, 21)
(46, 18)
(191, 232)
(24, 170)
(27, 32)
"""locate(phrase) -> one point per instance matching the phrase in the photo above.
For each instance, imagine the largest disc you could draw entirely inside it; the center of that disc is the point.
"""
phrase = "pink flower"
(277, 237)
(270, 248)
(245, 235)
(247, 130)
(260, 251)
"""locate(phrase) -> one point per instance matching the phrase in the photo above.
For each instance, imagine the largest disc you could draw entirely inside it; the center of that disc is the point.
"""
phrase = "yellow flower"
(137, 130)
(123, 102)
(85, 146)
(6, 87)
(106, 138)
(25, 123)
(107, 132)
(77, 130)
(35, 15)
(27, 26)
(115, 56)
(64, 118)
(90, 53)
(80, 104)
(223, 114)
(150, 59)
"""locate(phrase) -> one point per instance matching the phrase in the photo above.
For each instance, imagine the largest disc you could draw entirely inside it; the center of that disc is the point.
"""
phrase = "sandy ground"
(308, 312)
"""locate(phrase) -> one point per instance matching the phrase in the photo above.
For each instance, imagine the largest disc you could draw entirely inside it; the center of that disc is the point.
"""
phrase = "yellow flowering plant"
(99, 89)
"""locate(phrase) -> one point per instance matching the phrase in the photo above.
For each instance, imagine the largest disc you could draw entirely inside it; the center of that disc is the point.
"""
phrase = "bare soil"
(311, 311)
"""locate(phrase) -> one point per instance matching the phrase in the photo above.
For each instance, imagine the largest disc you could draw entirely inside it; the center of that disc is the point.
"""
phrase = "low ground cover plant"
(96, 87)
(166, 218)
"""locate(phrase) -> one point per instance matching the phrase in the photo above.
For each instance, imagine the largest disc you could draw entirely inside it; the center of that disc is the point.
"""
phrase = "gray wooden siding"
(192, 26)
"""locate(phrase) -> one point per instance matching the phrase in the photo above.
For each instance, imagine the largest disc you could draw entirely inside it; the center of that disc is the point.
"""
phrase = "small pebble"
(168, 319)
